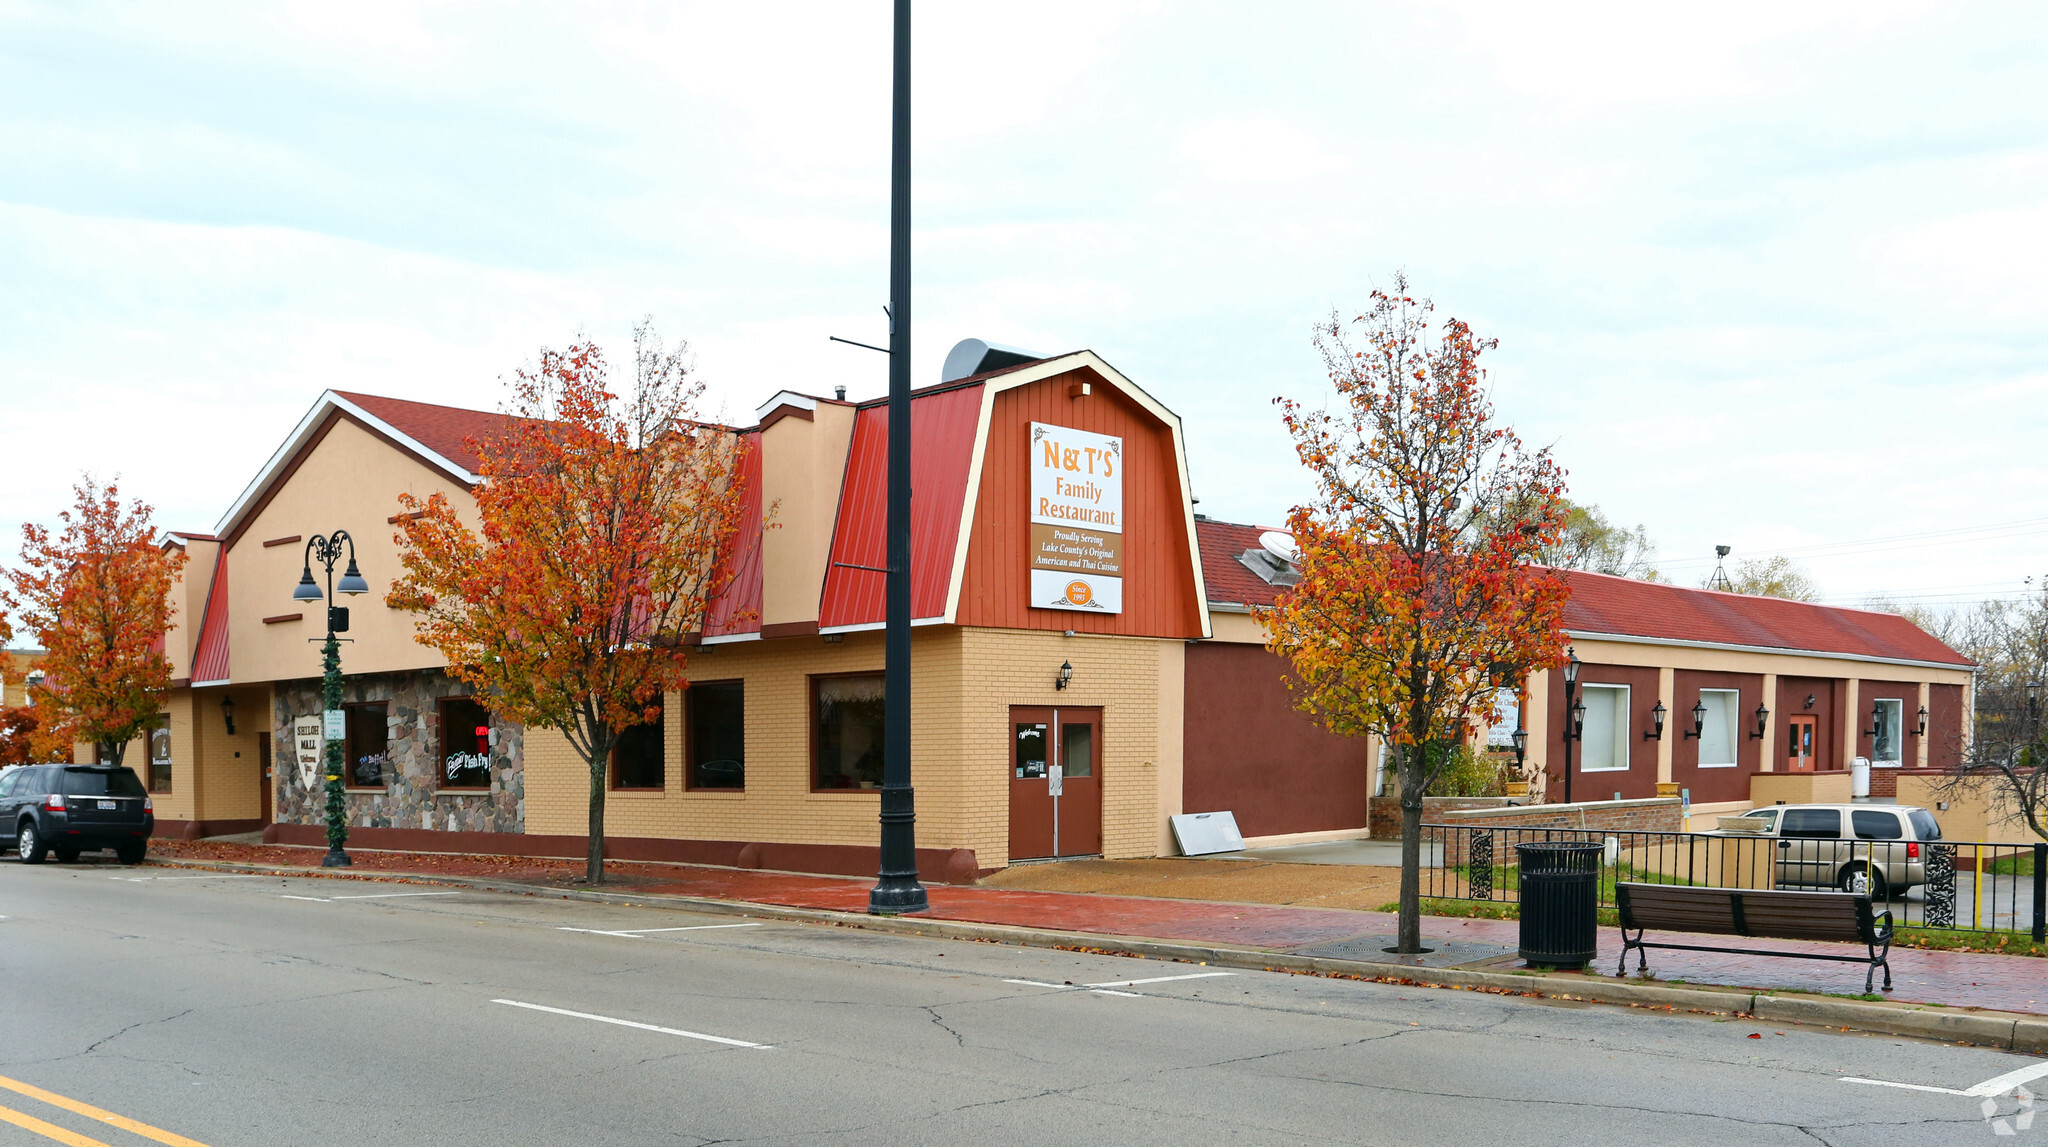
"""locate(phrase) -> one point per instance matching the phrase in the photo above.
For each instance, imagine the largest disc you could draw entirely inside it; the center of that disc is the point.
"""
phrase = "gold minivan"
(1853, 847)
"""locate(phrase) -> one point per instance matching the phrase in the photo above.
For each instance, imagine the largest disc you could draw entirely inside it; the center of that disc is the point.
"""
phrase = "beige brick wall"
(228, 786)
(963, 681)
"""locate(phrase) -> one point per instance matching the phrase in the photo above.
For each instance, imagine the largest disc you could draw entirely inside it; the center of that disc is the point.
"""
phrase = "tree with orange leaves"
(96, 595)
(608, 524)
(1418, 598)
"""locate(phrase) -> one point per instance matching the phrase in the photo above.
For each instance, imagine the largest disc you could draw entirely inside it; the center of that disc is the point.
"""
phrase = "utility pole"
(897, 889)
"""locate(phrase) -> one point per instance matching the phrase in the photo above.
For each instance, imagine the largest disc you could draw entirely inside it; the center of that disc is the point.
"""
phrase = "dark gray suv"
(69, 809)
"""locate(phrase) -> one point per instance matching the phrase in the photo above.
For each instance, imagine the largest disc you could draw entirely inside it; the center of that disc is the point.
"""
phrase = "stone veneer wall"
(1584, 821)
(413, 798)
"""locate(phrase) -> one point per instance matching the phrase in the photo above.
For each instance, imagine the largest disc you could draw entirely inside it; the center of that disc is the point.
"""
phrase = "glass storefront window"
(846, 735)
(366, 748)
(717, 734)
(465, 754)
(637, 758)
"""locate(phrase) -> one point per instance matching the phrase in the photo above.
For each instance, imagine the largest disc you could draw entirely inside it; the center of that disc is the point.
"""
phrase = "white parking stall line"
(387, 895)
(1904, 1086)
(1108, 987)
(635, 1024)
(1999, 1085)
(638, 933)
(1996, 1085)
(314, 899)
(1160, 980)
(208, 876)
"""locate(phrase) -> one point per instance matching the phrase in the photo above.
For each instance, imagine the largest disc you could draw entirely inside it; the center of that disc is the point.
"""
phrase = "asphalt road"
(265, 1011)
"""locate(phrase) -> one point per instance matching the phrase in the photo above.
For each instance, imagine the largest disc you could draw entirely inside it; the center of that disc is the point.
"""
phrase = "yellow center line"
(47, 1130)
(90, 1112)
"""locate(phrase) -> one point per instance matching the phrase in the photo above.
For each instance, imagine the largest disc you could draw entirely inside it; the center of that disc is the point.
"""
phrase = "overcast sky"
(1770, 275)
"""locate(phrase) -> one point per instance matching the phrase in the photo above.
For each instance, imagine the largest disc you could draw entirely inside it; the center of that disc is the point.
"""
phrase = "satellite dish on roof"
(1280, 544)
(975, 356)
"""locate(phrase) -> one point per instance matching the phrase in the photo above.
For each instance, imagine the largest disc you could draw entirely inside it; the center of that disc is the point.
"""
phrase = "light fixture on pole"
(1656, 732)
(327, 551)
(1574, 715)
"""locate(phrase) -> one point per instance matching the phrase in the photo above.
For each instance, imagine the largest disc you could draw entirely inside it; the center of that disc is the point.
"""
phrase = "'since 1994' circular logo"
(1079, 593)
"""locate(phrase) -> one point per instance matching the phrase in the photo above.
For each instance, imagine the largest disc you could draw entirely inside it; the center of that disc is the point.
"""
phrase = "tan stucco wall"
(188, 604)
(963, 682)
(1237, 628)
(350, 481)
(803, 463)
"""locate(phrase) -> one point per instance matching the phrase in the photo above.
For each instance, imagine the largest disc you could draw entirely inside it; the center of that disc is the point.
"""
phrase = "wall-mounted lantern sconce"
(1763, 718)
(1922, 730)
(1575, 712)
(1065, 675)
(1810, 699)
(1876, 721)
(1699, 720)
(227, 713)
(1656, 732)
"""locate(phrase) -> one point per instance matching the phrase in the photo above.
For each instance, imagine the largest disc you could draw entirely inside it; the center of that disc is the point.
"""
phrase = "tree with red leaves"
(96, 596)
(608, 524)
(1418, 597)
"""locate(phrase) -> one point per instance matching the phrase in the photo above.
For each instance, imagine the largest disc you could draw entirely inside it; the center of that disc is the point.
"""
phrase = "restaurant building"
(1086, 659)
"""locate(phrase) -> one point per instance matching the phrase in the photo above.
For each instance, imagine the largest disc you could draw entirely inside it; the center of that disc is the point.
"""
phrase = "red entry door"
(1055, 783)
(1799, 744)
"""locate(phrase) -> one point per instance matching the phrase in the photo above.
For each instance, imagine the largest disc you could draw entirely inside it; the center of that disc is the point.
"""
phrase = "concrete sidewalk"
(1951, 979)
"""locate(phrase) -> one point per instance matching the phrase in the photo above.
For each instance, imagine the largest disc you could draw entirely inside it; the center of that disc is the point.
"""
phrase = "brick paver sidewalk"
(1957, 979)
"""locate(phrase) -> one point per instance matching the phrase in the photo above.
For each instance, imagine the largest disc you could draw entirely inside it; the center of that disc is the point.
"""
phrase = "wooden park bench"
(1840, 916)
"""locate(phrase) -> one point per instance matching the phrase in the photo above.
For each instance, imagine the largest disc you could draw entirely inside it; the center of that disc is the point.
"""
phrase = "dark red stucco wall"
(1248, 750)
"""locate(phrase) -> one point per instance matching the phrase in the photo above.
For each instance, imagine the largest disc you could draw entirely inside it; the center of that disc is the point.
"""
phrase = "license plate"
(109, 804)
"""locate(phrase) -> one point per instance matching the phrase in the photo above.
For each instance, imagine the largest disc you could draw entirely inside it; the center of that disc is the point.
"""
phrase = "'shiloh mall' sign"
(1077, 520)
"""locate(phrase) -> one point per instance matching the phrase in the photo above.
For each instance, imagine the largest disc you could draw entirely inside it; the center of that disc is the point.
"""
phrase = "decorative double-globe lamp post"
(327, 551)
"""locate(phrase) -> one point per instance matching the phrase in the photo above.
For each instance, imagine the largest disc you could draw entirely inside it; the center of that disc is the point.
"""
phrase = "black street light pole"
(327, 551)
(897, 889)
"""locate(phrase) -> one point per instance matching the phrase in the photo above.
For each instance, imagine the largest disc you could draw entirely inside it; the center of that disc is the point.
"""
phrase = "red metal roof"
(738, 608)
(445, 430)
(1622, 607)
(210, 659)
(942, 431)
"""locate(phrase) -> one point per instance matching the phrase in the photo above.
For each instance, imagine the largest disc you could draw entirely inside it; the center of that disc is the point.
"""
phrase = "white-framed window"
(1718, 734)
(1884, 747)
(1604, 745)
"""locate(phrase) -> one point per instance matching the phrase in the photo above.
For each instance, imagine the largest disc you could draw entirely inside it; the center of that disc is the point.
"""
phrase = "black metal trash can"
(1560, 903)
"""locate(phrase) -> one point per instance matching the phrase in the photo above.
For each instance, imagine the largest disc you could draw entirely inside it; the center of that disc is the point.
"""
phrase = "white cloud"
(1257, 150)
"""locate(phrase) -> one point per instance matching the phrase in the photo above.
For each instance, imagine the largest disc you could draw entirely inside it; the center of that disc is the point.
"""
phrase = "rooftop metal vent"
(974, 356)
(1271, 567)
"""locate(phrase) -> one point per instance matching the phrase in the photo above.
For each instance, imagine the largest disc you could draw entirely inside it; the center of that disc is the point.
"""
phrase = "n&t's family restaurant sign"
(1077, 520)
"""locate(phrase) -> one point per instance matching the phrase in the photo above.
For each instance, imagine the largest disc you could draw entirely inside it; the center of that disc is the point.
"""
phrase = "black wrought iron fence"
(1963, 885)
